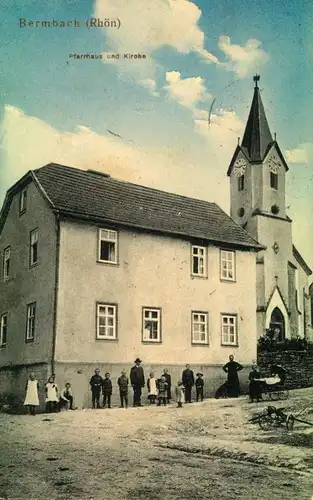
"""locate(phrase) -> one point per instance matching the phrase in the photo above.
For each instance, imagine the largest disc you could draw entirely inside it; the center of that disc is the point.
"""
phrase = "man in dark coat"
(188, 382)
(168, 380)
(137, 380)
(232, 368)
(95, 385)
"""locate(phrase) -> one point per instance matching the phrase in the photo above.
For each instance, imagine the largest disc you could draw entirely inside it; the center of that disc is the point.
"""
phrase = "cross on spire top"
(256, 78)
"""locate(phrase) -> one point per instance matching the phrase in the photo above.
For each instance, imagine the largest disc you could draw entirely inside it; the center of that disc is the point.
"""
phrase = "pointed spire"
(257, 136)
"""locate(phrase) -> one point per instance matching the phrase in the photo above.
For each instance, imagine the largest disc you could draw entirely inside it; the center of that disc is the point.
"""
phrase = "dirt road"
(202, 451)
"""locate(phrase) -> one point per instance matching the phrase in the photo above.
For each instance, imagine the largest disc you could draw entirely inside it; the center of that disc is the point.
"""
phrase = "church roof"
(257, 138)
(97, 197)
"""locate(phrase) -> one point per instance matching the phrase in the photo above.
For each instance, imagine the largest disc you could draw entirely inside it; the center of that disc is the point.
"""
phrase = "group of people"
(159, 389)
(55, 400)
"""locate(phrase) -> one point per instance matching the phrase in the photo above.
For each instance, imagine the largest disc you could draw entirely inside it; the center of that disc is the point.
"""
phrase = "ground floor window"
(151, 324)
(3, 330)
(229, 329)
(106, 321)
(199, 327)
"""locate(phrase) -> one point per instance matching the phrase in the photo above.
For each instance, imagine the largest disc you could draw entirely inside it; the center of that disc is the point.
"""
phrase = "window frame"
(22, 202)
(200, 342)
(28, 338)
(158, 310)
(31, 245)
(241, 183)
(116, 241)
(2, 316)
(223, 278)
(6, 276)
(274, 180)
(233, 316)
(115, 323)
(205, 260)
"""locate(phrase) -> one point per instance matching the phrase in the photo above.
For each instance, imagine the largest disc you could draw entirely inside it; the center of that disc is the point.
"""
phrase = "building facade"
(257, 175)
(97, 272)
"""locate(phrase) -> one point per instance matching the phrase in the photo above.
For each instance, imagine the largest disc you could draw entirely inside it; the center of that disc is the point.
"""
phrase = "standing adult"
(232, 368)
(188, 379)
(168, 380)
(96, 382)
(137, 380)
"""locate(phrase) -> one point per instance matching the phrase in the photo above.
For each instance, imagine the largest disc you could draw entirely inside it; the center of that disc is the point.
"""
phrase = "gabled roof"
(301, 261)
(89, 195)
(257, 137)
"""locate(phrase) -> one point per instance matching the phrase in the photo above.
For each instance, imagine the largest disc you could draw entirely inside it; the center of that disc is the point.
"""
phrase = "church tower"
(257, 175)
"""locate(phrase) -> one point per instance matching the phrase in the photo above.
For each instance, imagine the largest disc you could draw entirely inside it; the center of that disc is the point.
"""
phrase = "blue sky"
(55, 108)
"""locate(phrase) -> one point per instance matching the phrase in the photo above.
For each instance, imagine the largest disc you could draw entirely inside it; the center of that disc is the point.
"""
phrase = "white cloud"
(149, 84)
(302, 154)
(242, 59)
(186, 91)
(223, 128)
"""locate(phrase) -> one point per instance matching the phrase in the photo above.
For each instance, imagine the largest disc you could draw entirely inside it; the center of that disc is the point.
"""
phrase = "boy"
(180, 394)
(199, 386)
(122, 383)
(95, 385)
(162, 391)
(66, 397)
(107, 390)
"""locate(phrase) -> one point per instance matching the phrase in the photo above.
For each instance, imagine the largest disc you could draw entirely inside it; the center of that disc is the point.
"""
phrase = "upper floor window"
(33, 254)
(3, 330)
(227, 265)
(199, 261)
(241, 183)
(274, 180)
(106, 321)
(6, 263)
(23, 201)
(229, 329)
(107, 246)
(151, 325)
(199, 328)
(30, 323)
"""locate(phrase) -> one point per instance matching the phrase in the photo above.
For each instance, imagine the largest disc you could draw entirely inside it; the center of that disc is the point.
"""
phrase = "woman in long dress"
(31, 398)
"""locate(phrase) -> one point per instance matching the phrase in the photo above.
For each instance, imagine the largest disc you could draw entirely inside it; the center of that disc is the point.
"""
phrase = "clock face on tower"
(274, 163)
(240, 167)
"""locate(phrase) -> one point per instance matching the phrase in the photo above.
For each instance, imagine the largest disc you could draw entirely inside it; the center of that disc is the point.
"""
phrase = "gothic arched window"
(277, 324)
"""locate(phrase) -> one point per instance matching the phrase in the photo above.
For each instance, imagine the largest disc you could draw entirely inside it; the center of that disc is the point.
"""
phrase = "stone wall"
(298, 365)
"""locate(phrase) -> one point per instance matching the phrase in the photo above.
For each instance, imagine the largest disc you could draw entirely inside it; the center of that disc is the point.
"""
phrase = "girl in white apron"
(31, 398)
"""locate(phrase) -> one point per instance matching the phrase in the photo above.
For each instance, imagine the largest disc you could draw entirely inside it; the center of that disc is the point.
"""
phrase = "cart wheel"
(290, 422)
(265, 422)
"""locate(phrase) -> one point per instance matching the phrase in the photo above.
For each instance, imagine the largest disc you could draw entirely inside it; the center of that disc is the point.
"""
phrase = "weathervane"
(256, 78)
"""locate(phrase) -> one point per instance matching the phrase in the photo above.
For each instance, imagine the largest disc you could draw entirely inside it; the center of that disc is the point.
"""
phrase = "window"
(229, 329)
(107, 246)
(227, 265)
(198, 261)
(23, 201)
(3, 330)
(151, 325)
(30, 325)
(33, 256)
(6, 263)
(274, 180)
(106, 321)
(241, 183)
(199, 328)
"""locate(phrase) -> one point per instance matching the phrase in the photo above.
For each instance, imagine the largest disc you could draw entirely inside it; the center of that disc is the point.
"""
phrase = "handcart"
(277, 417)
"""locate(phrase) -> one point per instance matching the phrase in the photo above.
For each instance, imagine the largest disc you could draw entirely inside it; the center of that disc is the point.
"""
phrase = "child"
(51, 390)
(66, 397)
(162, 388)
(152, 388)
(180, 394)
(199, 386)
(31, 398)
(107, 390)
(122, 383)
(95, 385)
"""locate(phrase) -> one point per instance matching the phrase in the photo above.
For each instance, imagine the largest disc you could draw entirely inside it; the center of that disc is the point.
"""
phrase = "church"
(97, 271)
(257, 174)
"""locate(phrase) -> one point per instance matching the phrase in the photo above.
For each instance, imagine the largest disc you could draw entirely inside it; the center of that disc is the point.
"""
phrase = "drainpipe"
(56, 290)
